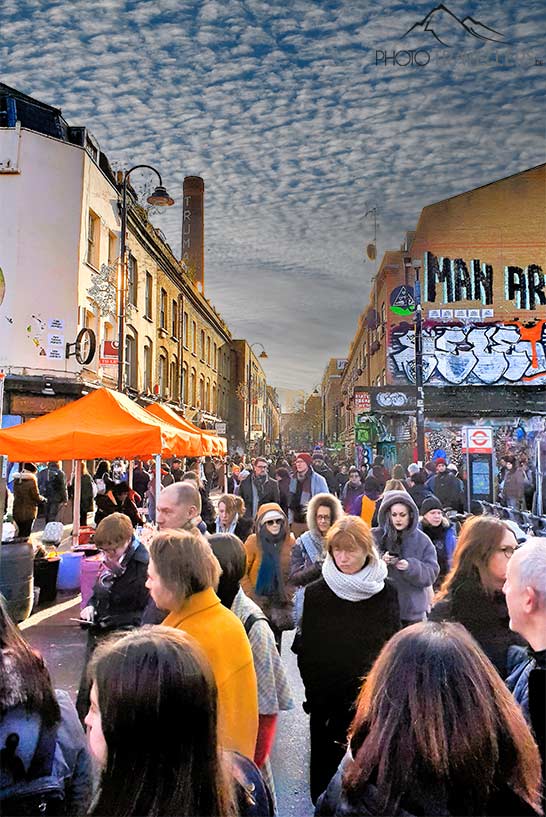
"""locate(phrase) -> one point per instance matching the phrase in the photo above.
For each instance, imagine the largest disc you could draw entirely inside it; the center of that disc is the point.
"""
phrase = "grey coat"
(415, 546)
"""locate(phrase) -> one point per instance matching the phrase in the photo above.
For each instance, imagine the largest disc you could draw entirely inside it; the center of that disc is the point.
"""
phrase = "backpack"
(42, 792)
(252, 795)
(251, 620)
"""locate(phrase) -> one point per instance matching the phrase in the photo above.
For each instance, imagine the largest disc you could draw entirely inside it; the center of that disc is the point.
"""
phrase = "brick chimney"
(193, 228)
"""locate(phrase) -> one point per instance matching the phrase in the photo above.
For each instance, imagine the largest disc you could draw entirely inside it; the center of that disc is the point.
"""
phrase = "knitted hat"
(439, 461)
(269, 510)
(431, 503)
(306, 458)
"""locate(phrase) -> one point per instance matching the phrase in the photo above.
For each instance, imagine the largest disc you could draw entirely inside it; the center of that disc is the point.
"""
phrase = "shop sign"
(363, 401)
(477, 440)
(363, 434)
(220, 428)
(109, 356)
(402, 300)
(257, 427)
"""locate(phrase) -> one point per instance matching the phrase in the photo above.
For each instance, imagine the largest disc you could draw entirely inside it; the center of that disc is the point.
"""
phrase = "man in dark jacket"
(55, 492)
(258, 489)
(525, 590)
(416, 487)
(321, 468)
(141, 480)
(446, 487)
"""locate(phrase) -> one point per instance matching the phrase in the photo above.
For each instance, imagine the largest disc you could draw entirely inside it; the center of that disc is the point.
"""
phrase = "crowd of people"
(421, 648)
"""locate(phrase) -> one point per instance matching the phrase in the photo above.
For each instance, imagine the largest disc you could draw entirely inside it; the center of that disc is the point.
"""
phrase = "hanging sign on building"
(109, 355)
(402, 300)
(363, 401)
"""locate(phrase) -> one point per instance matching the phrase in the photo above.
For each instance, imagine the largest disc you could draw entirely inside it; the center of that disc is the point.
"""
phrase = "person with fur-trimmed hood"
(408, 553)
(309, 552)
(441, 533)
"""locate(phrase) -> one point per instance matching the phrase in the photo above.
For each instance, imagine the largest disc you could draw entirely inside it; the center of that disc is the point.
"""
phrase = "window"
(202, 346)
(148, 358)
(185, 383)
(131, 376)
(185, 338)
(214, 406)
(112, 248)
(174, 319)
(215, 358)
(148, 295)
(194, 340)
(208, 350)
(208, 406)
(193, 388)
(132, 274)
(93, 240)
(163, 374)
(173, 379)
(163, 310)
(202, 392)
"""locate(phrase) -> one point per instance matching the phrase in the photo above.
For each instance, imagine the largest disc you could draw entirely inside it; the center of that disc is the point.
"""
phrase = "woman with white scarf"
(348, 615)
(231, 517)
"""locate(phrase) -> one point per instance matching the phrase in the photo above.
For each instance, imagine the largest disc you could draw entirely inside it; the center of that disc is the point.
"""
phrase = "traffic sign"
(477, 440)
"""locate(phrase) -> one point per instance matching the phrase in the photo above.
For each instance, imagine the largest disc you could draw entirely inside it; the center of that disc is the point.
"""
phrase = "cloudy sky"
(282, 109)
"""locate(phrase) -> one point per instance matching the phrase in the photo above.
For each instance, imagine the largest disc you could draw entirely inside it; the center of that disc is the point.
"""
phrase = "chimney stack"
(193, 228)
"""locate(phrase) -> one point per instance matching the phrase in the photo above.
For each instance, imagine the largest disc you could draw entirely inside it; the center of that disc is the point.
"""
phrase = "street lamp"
(159, 198)
(262, 356)
(419, 391)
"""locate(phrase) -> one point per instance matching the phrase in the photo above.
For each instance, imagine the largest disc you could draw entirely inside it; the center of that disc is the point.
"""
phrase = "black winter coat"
(419, 493)
(340, 640)
(122, 605)
(270, 493)
(484, 615)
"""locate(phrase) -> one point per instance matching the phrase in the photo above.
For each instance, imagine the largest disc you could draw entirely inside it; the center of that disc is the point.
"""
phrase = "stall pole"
(130, 472)
(3, 462)
(157, 458)
(76, 494)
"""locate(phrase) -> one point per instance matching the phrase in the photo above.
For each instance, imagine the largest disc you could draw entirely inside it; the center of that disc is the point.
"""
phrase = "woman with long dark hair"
(436, 732)
(471, 593)
(153, 731)
(40, 734)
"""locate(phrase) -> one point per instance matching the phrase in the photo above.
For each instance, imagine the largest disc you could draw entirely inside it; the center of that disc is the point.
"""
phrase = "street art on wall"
(487, 354)
(473, 281)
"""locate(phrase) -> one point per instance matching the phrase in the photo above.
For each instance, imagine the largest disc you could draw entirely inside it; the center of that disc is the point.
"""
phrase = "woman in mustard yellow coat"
(182, 576)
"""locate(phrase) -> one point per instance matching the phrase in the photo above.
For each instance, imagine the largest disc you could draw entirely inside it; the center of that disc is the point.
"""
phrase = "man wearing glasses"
(258, 489)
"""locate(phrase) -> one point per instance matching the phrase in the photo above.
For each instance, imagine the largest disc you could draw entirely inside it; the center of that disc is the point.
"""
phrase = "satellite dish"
(371, 252)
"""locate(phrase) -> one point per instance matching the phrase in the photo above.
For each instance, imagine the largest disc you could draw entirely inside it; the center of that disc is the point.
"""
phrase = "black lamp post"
(419, 391)
(159, 198)
(262, 356)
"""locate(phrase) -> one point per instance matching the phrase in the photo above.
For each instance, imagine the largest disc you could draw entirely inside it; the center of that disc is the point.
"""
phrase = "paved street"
(62, 643)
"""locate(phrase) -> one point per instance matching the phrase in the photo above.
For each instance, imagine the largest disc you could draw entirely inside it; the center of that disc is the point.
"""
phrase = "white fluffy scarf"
(357, 586)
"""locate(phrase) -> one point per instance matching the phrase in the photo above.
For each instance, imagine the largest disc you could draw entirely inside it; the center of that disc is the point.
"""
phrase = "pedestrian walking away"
(435, 733)
(160, 679)
(182, 575)
(26, 498)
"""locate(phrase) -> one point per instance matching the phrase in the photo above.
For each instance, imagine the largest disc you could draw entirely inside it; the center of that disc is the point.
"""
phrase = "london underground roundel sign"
(479, 440)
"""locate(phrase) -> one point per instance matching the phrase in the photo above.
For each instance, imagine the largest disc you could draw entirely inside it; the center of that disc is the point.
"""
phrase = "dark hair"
(433, 709)
(24, 678)
(120, 488)
(480, 537)
(158, 703)
(398, 472)
(30, 467)
(102, 468)
(230, 552)
(418, 478)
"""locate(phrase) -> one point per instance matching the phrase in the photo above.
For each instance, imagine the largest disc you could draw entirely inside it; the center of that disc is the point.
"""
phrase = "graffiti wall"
(492, 354)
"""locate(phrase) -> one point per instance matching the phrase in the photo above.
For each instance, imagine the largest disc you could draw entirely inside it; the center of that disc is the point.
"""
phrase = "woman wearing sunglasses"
(268, 553)
(472, 591)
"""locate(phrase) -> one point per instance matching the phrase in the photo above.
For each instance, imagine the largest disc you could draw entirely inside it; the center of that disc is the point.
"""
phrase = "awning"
(209, 441)
(104, 424)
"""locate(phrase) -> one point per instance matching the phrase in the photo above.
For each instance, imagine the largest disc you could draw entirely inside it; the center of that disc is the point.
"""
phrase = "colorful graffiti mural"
(487, 354)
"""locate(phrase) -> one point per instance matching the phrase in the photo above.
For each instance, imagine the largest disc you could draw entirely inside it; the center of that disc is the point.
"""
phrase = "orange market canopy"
(209, 441)
(104, 424)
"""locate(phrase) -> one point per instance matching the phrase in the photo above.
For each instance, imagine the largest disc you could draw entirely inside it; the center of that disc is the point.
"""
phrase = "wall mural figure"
(487, 354)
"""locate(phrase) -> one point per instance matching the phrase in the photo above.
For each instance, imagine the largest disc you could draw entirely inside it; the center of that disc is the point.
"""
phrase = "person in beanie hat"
(446, 487)
(266, 579)
(441, 533)
(304, 484)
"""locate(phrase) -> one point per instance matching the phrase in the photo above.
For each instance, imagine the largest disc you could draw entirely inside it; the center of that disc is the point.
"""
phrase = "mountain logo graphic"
(446, 27)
